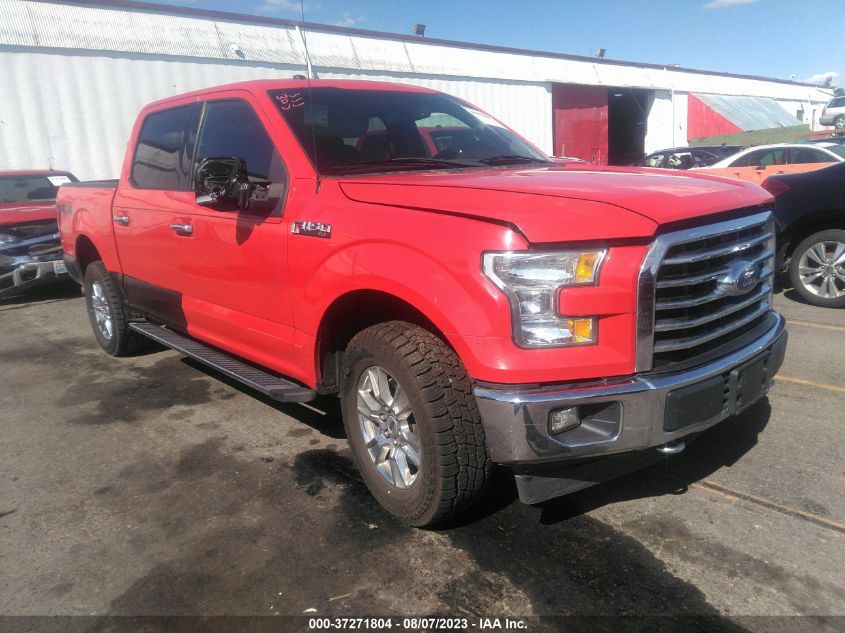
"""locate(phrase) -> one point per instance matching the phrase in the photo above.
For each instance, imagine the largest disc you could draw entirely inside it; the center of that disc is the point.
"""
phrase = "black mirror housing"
(224, 182)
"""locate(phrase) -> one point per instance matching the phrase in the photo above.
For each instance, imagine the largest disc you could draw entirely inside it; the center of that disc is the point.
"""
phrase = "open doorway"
(627, 117)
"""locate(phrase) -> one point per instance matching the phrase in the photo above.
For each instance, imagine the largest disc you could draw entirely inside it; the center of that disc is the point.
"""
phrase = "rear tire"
(405, 394)
(839, 122)
(817, 269)
(108, 315)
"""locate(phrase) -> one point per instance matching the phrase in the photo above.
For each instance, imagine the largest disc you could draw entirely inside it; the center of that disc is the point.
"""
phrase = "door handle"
(123, 220)
(182, 229)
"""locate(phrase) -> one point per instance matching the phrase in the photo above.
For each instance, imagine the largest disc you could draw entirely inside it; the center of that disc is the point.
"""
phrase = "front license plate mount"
(748, 383)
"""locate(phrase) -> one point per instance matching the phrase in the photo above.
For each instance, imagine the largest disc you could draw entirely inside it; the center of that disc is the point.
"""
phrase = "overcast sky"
(774, 38)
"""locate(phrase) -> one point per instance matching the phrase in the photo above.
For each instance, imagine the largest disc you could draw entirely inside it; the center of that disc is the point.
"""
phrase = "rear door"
(154, 187)
(807, 159)
(755, 166)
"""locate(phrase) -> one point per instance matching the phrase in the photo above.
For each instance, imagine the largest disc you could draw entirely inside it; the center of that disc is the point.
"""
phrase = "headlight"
(531, 281)
(5, 238)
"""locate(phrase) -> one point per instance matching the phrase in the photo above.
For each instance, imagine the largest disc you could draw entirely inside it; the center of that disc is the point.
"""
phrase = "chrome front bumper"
(626, 415)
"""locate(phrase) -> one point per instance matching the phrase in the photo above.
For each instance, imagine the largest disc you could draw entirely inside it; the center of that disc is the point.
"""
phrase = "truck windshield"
(347, 131)
(31, 187)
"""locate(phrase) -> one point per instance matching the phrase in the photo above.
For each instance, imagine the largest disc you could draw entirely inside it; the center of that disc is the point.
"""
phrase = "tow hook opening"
(672, 448)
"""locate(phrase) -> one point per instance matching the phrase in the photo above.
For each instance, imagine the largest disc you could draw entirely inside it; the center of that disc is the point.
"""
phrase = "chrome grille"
(701, 287)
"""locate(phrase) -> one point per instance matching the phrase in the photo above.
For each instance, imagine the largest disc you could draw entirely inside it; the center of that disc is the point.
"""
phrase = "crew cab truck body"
(475, 306)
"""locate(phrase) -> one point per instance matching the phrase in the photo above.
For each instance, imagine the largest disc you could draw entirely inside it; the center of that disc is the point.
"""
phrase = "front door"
(233, 273)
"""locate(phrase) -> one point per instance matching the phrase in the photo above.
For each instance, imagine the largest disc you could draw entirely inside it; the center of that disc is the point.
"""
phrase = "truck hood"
(12, 213)
(562, 203)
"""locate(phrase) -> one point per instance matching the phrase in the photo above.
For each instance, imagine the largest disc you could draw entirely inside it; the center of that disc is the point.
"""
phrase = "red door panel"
(580, 122)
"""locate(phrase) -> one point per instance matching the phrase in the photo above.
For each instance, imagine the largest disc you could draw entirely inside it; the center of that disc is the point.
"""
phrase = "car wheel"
(839, 122)
(817, 268)
(108, 315)
(413, 423)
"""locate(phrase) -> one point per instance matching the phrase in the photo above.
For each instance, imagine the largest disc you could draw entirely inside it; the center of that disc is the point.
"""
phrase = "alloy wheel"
(822, 269)
(388, 427)
(102, 311)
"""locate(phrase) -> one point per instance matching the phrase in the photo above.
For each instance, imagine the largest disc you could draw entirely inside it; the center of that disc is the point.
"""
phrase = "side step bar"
(268, 384)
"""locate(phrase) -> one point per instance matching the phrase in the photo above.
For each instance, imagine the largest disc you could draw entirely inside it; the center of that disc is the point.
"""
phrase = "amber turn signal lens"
(582, 330)
(586, 269)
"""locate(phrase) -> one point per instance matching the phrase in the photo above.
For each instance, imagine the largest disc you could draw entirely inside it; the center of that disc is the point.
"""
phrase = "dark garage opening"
(627, 117)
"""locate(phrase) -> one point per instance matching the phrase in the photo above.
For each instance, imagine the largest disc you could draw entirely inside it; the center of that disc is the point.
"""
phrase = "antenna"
(310, 73)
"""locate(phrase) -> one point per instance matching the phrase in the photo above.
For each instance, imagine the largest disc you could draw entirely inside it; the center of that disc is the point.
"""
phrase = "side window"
(752, 158)
(232, 129)
(655, 160)
(808, 155)
(162, 153)
(762, 158)
(773, 157)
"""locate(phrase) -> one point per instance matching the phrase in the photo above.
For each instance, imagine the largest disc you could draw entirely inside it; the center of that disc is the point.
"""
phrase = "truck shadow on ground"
(289, 537)
(47, 293)
(323, 414)
(718, 447)
(231, 533)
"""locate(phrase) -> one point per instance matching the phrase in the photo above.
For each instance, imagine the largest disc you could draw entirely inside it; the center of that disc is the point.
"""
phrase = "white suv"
(834, 113)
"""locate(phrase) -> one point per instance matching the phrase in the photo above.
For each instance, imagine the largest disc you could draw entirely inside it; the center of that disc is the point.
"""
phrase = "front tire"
(413, 423)
(817, 268)
(108, 316)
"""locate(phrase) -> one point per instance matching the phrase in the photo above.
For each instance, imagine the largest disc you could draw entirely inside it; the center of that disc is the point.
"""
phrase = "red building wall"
(702, 120)
(580, 122)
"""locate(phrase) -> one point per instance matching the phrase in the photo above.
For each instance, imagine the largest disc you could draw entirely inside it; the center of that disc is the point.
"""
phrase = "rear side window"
(837, 103)
(808, 155)
(162, 154)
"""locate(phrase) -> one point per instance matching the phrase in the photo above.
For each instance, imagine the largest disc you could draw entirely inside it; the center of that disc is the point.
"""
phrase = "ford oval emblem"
(740, 279)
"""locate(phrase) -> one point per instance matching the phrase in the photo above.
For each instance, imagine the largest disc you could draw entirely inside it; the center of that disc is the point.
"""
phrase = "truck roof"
(261, 85)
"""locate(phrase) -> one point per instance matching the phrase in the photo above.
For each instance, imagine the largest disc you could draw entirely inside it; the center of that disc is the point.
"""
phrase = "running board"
(268, 384)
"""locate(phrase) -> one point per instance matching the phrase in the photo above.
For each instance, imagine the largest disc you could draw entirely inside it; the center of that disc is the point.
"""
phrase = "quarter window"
(162, 154)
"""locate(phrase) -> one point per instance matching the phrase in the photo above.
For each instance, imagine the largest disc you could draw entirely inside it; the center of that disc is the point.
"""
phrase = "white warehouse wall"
(659, 128)
(75, 111)
(75, 75)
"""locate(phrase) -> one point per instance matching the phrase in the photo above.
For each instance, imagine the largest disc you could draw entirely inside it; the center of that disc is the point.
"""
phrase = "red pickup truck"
(472, 302)
(30, 252)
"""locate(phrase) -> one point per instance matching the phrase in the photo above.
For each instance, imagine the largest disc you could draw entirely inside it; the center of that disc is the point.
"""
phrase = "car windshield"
(839, 150)
(356, 131)
(31, 188)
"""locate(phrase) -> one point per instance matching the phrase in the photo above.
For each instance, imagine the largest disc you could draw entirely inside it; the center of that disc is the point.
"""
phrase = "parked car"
(486, 306)
(30, 251)
(758, 163)
(834, 113)
(838, 139)
(688, 157)
(810, 216)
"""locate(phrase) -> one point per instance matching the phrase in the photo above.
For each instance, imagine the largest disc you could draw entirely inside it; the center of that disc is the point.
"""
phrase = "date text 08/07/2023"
(416, 624)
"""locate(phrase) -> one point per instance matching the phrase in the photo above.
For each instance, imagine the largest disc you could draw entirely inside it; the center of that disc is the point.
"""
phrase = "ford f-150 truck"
(471, 301)
(30, 252)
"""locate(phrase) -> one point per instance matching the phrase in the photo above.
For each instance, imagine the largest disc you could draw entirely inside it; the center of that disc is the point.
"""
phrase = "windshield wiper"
(409, 160)
(504, 159)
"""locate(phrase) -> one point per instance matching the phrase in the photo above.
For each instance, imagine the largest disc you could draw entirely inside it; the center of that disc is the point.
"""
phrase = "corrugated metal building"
(75, 75)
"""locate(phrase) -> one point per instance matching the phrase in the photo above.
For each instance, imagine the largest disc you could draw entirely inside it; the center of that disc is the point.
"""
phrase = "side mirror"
(223, 181)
